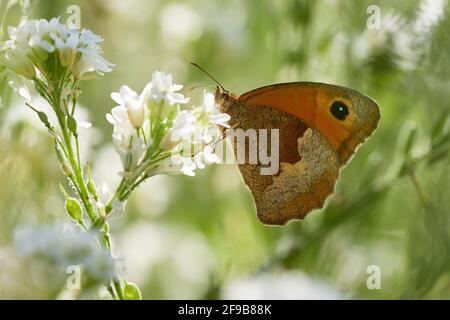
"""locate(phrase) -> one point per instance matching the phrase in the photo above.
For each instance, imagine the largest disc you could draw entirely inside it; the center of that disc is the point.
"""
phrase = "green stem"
(128, 184)
(83, 192)
(76, 168)
(84, 195)
(118, 289)
(73, 158)
(3, 18)
(77, 144)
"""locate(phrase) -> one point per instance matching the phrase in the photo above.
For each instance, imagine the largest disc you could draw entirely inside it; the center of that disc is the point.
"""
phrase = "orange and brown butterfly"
(320, 126)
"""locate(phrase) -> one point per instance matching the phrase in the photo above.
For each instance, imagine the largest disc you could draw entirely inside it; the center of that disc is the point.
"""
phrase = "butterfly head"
(224, 98)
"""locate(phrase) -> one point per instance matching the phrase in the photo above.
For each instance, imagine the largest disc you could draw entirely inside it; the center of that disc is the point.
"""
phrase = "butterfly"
(320, 127)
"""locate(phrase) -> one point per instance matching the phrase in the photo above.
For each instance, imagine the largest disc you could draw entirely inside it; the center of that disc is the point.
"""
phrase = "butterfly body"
(319, 127)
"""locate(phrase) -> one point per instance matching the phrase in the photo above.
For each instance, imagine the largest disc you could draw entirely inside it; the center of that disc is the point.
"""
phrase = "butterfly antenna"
(205, 72)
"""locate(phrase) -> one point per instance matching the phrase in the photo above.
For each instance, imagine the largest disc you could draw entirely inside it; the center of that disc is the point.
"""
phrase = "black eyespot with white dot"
(339, 110)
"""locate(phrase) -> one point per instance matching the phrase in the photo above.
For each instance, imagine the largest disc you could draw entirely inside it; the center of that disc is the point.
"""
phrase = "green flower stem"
(7, 6)
(78, 152)
(75, 164)
(84, 195)
(57, 79)
(123, 186)
(78, 181)
(118, 289)
(128, 184)
(83, 192)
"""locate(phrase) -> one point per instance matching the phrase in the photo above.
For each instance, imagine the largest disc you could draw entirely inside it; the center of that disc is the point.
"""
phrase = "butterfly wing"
(312, 102)
(307, 167)
(312, 146)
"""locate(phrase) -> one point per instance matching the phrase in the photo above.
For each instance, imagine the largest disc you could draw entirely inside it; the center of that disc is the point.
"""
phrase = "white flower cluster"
(60, 249)
(150, 129)
(34, 46)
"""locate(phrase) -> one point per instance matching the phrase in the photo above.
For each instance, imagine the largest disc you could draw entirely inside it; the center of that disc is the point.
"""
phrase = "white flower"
(162, 88)
(104, 195)
(211, 134)
(59, 248)
(130, 149)
(126, 142)
(178, 163)
(173, 165)
(67, 49)
(91, 60)
(40, 33)
(22, 86)
(119, 119)
(126, 118)
(184, 125)
(20, 36)
(210, 110)
(185, 138)
(134, 105)
(76, 49)
(206, 157)
(185, 165)
(166, 166)
(18, 62)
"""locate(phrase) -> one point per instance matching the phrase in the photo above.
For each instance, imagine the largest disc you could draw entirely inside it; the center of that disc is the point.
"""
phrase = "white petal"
(110, 119)
(117, 97)
(177, 87)
(85, 124)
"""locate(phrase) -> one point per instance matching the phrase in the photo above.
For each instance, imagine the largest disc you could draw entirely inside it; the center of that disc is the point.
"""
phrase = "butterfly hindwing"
(303, 164)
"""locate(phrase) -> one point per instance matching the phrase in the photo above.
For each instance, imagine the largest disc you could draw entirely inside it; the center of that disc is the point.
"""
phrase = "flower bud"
(67, 56)
(90, 185)
(19, 63)
(132, 292)
(92, 189)
(72, 124)
(136, 115)
(74, 209)
(44, 119)
(38, 55)
(167, 143)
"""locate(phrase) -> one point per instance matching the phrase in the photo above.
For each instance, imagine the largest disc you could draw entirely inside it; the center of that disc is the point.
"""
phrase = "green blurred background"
(199, 237)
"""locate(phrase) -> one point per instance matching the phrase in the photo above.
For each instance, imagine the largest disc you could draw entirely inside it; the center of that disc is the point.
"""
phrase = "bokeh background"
(198, 237)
